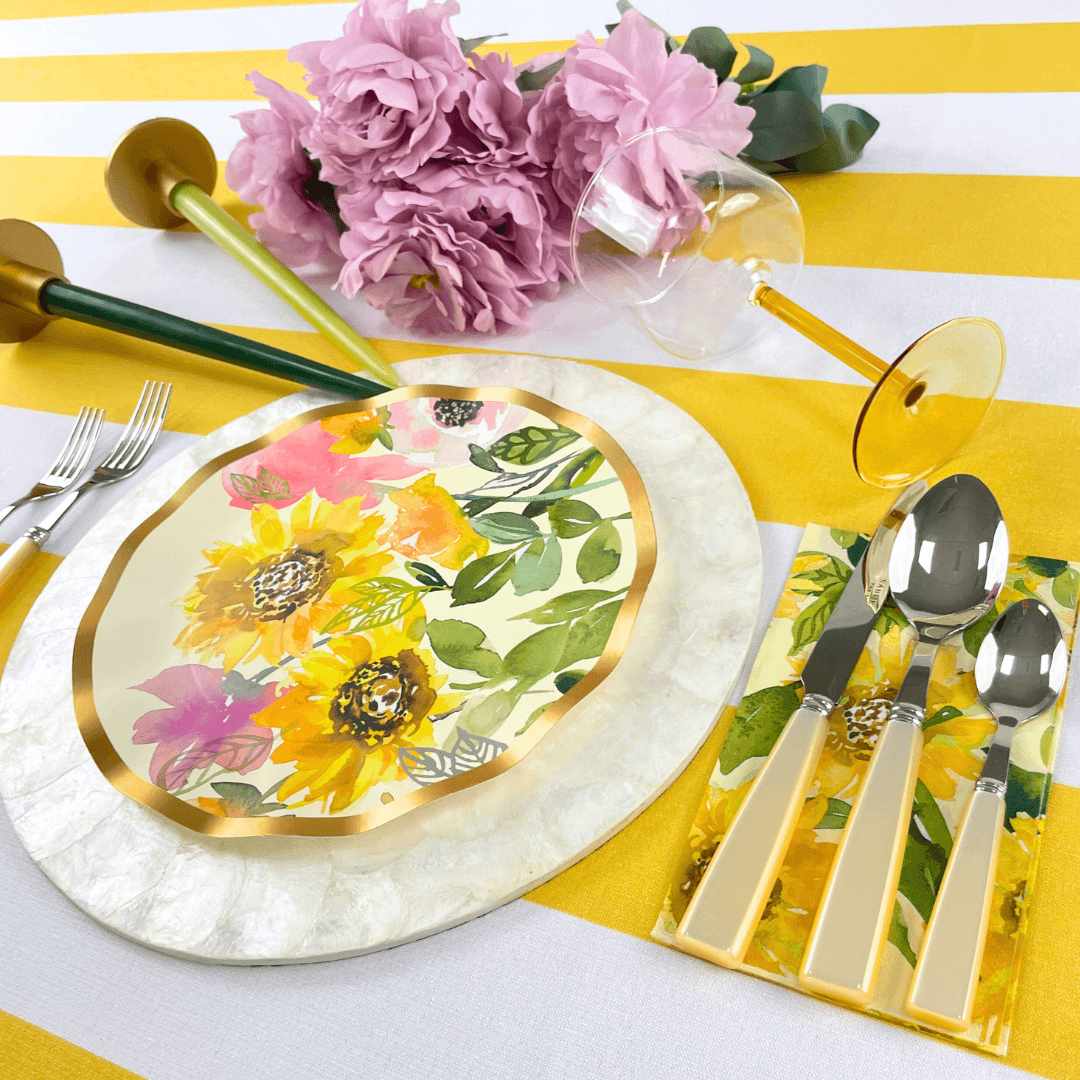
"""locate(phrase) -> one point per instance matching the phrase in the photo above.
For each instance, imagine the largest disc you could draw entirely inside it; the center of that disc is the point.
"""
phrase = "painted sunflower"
(352, 709)
(269, 595)
(357, 431)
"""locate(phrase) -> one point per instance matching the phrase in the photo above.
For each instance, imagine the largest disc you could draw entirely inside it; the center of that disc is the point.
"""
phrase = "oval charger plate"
(291, 899)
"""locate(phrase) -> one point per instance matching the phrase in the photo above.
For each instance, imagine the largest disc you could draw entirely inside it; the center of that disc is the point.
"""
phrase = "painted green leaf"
(482, 459)
(600, 555)
(572, 517)
(898, 934)
(710, 46)
(973, 635)
(1066, 588)
(589, 635)
(506, 528)
(248, 798)
(531, 444)
(569, 606)
(843, 537)
(760, 718)
(847, 130)
(379, 602)
(836, 816)
(538, 568)
(811, 621)
(486, 716)
(758, 67)
(1047, 568)
(566, 681)
(888, 617)
(834, 572)
(575, 473)
(855, 551)
(534, 715)
(426, 575)
(926, 809)
(234, 685)
(1026, 793)
(266, 487)
(946, 712)
(920, 875)
(785, 124)
(482, 578)
(460, 645)
(539, 654)
(1045, 744)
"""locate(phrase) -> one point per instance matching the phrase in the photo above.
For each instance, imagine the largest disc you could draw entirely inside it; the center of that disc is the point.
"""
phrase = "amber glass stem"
(810, 326)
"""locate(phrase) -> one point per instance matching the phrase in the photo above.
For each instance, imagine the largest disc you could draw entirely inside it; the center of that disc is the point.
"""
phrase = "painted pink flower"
(284, 472)
(268, 168)
(438, 431)
(385, 88)
(208, 722)
(429, 265)
(607, 94)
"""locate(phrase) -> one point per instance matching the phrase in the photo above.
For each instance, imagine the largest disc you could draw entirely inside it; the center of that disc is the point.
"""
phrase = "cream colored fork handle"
(943, 987)
(719, 924)
(853, 919)
(15, 558)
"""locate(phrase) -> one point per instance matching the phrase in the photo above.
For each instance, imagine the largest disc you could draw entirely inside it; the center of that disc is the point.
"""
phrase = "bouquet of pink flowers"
(441, 183)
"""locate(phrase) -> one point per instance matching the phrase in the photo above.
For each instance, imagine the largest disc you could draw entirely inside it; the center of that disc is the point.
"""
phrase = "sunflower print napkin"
(957, 730)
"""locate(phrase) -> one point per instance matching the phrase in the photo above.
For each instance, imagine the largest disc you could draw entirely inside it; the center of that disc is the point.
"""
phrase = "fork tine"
(149, 438)
(128, 433)
(63, 459)
(144, 424)
(89, 441)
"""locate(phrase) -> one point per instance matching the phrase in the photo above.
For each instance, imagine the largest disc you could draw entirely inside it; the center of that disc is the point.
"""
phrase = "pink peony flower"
(303, 462)
(385, 87)
(438, 431)
(208, 722)
(268, 168)
(607, 94)
(427, 264)
(490, 123)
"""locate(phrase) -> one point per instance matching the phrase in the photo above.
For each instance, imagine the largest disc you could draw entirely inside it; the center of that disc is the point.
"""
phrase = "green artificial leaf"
(808, 80)
(760, 718)
(1066, 588)
(589, 635)
(786, 123)
(531, 444)
(571, 605)
(469, 45)
(600, 555)
(266, 487)
(898, 934)
(460, 645)
(571, 517)
(758, 67)
(811, 621)
(920, 875)
(482, 459)
(506, 528)
(1047, 568)
(1046, 744)
(946, 712)
(482, 578)
(926, 809)
(539, 567)
(567, 680)
(537, 80)
(624, 6)
(973, 635)
(486, 716)
(319, 192)
(379, 602)
(847, 130)
(836, 816)
(539, 654)
(1026, 793)
(710, 46)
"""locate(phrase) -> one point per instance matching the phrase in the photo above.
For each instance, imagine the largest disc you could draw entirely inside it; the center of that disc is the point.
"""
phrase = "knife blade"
(727, 905)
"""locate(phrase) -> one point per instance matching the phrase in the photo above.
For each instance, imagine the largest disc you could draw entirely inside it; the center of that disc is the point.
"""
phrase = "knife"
(724, 912)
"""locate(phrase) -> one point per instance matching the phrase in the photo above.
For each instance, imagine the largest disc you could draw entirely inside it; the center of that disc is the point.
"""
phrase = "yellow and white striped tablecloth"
(967, 202)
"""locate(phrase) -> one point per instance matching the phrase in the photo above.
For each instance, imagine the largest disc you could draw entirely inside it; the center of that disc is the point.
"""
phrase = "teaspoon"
(1020, 672)
(946, 568)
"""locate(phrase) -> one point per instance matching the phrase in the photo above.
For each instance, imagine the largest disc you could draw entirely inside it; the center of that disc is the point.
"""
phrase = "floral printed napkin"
(957, 730)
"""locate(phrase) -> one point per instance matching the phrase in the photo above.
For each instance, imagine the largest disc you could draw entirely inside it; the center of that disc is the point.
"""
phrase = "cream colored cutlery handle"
(15, 558)
(853, 919)
(943, 987)
(719, 924)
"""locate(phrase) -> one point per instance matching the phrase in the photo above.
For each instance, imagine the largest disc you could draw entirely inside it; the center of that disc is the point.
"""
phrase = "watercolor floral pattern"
(396, 596)
(957, 731)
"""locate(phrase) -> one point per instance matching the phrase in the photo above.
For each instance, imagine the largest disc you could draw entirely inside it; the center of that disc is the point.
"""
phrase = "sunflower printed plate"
(957, 729)
(375, 605)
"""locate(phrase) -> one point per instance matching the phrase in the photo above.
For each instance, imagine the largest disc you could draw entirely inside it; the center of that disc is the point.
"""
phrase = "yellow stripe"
(15, 604)
(902, 221)
(940, 59)
(30, 1053)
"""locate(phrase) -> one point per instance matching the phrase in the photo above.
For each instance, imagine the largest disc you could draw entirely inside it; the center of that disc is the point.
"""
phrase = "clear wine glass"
(692, 242)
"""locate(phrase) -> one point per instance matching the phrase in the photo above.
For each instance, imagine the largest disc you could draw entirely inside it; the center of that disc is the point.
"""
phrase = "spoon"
(946, 568)
(1020, 672)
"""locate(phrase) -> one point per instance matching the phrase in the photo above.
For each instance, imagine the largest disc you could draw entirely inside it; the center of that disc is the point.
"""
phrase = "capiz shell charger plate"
(372, 606)
(281, 899)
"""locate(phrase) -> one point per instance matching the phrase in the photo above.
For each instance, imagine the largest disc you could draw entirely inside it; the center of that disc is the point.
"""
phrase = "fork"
(71, 461)
(126, 456)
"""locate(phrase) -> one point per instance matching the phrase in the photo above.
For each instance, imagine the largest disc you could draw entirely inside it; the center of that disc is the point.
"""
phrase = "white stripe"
(285, 26)
(885, 310)
(525, 992)
(919, 133)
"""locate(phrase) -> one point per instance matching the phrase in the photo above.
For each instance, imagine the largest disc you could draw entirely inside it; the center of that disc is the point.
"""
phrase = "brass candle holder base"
(29, 260)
